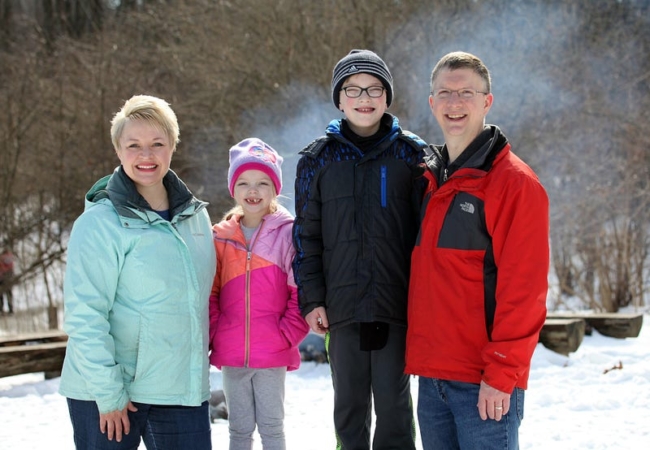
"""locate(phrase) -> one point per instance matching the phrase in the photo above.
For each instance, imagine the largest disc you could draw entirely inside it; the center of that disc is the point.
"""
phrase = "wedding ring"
(498, 407)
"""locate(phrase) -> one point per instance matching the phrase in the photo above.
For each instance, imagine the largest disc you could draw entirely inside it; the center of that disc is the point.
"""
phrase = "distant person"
(479, 281)
(255, 323)
(358, 192)
(137, 286)
(7, 260)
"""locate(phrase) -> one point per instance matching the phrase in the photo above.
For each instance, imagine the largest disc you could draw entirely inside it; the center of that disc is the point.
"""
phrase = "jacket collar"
(229, 228)
(480, 154)
(129, 204)
(389, 126)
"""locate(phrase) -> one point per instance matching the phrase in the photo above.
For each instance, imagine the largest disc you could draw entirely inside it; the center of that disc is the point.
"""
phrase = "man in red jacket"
(477, 296)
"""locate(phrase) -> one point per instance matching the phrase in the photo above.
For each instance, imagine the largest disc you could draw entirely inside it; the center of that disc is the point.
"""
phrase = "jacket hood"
(480, 154)
(127, 201)
(227, 228)
(489, 143)
(334, 127)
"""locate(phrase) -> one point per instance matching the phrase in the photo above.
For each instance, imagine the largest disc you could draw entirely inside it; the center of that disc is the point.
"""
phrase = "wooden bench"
(616, 325)
(33, 352)
(38, 337)
(563, 336)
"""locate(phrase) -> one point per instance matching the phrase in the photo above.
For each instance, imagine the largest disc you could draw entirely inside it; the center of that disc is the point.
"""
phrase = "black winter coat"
(357, 219)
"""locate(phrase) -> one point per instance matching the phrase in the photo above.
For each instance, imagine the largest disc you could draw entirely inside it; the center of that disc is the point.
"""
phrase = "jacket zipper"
(247, 298)
(247, 305)
(383, 186)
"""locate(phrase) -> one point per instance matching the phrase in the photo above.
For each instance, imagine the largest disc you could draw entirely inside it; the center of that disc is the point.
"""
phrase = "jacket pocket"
(166, 355)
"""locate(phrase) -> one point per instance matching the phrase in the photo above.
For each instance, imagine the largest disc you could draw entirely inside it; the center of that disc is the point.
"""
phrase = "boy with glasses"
(358, 192)
(477, 299)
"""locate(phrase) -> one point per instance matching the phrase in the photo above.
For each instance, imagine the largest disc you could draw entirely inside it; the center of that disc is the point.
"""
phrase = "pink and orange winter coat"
(254, 317)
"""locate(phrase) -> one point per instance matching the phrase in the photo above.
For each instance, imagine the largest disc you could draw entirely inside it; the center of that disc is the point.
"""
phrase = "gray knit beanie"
(361, 61)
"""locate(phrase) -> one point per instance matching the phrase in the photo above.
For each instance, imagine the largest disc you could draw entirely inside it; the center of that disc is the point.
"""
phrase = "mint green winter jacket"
(136, 296)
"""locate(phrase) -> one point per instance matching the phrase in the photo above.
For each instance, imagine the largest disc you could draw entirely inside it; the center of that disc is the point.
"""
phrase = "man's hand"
(116, 423)
(317, 320)
(492, 403)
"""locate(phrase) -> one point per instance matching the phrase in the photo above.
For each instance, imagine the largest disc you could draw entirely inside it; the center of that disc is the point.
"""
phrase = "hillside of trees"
(571, 82)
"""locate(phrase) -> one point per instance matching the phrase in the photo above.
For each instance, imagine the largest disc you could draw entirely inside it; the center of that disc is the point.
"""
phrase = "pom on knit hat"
(254, 154)
(361, 61)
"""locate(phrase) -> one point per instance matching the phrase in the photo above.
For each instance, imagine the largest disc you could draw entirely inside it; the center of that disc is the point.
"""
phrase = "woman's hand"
(116, 423)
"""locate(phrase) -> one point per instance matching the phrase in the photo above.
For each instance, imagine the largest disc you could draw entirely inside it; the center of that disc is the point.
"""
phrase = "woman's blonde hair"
(152, 110)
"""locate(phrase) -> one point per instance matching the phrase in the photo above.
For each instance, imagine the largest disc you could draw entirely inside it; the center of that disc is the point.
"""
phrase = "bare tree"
(571, 82)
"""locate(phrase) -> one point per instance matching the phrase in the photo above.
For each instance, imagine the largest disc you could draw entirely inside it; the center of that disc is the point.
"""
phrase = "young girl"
(255, 323)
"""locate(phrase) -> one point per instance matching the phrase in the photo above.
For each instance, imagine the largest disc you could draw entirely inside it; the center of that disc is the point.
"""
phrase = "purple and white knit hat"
(254, 154)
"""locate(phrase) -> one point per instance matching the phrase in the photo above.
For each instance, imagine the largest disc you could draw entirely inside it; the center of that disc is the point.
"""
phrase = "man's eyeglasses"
(463, 94)
(356, 91)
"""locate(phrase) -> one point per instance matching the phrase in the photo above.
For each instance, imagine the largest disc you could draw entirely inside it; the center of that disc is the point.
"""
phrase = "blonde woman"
(138, 278)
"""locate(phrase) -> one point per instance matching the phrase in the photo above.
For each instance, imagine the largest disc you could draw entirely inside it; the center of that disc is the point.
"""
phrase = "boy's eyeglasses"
(356, 91)
(463, 94)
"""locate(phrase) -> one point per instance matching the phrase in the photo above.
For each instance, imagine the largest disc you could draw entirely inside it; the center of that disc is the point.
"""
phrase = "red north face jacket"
(478, 286)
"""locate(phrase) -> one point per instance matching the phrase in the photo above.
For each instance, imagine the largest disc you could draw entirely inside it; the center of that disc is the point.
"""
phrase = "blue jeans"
(161, 427)
(449, 418)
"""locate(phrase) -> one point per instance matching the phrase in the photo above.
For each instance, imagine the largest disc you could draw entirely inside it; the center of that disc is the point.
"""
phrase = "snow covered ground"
(571, 404)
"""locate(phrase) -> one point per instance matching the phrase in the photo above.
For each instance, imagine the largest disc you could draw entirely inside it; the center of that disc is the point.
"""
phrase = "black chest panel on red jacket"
(464, 225)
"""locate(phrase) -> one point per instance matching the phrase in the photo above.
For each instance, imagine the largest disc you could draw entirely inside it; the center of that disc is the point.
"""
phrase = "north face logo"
(467, 207)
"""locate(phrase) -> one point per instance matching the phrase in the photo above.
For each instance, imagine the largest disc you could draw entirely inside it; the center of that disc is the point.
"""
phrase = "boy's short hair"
(152, 110)
(361, 61)
(462, 60)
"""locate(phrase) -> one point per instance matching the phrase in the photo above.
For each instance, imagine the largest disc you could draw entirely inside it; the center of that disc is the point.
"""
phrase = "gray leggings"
(255, 396)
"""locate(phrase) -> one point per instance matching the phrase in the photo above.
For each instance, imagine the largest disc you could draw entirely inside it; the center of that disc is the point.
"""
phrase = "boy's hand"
(317, 320)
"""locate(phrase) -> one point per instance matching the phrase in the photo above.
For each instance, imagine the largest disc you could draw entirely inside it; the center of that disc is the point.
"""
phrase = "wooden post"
(53, 317)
